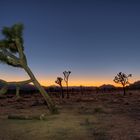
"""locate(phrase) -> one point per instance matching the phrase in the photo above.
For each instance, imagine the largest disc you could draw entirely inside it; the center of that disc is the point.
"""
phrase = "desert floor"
(88, 117)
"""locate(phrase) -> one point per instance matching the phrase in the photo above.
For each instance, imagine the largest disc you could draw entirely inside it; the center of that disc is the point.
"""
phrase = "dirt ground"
(90, 117)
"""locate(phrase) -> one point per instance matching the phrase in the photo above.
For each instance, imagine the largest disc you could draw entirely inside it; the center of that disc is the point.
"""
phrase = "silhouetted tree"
(66, 79)
(12, 53)
(59, 82)
(122, 79)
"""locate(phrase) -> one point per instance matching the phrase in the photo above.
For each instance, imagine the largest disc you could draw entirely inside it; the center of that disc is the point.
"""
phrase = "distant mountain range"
(135, 85)
(105, 86)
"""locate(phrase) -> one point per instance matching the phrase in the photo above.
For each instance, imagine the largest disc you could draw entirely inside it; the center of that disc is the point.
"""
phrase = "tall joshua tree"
(12, 53)
(59, 82)
(122, 79)
(66, 79)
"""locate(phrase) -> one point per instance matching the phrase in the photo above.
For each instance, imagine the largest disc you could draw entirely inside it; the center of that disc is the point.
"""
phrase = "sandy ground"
(90, 117)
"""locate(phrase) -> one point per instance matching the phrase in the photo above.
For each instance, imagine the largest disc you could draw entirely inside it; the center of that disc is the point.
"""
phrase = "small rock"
(126, 103)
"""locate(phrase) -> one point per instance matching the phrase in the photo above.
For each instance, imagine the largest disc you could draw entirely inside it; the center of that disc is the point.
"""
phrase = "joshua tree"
(12, 53)
(66, 79)
(59, 82)
(122, 79)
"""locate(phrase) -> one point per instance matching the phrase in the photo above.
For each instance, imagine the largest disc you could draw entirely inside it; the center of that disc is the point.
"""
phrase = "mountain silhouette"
(135, 85)
(107, 86)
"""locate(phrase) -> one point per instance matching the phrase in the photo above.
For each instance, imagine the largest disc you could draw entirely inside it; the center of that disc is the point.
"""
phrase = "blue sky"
(95, 39)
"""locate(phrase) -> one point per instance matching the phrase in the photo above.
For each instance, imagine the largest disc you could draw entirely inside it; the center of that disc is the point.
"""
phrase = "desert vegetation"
(122, 79)
(59, 82)
(66, 79)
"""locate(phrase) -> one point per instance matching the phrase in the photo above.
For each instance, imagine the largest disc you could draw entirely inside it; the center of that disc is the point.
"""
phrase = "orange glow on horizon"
(79, 83)
(73, 81)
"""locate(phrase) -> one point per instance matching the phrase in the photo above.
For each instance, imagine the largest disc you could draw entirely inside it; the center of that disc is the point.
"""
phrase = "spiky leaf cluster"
(8, 47)
(10, 34)
(59, 81)
(66, 75)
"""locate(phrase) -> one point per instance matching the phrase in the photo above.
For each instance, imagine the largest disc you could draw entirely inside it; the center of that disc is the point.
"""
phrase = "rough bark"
(48, 100)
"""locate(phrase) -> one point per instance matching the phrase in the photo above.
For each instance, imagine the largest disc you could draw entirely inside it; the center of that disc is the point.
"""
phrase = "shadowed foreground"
(94, 117)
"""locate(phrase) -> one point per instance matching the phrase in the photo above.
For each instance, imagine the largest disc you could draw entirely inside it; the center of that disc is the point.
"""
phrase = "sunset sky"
(94, 39)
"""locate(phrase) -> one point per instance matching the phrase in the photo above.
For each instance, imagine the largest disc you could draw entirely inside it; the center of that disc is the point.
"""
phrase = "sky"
(94, 39)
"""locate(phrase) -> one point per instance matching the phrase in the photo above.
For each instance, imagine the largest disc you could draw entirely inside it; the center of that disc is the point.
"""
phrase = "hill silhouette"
(135, 85)
(107, 86)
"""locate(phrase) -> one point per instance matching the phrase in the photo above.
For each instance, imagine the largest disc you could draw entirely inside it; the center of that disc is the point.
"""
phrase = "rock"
(27, 117)
(126, 103)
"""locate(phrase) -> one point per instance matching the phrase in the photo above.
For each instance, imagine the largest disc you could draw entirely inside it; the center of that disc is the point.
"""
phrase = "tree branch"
(6, 52)
(4, 89)
(16, 83)
(9, 58)
(22, 57)
(20, 82)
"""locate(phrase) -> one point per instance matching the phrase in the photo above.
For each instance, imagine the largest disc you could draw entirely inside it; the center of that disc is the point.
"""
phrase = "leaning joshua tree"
(66, 79)
(122, 79)
(12, 53)
(59, 82)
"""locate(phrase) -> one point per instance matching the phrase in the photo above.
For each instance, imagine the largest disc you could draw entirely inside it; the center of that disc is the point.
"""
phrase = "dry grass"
(104, 117)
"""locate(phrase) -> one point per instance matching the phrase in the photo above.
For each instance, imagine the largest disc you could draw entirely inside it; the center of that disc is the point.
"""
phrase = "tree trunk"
(124, 91)
(62, 93)
(17, 92)
(48, 100)
(68, 96)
